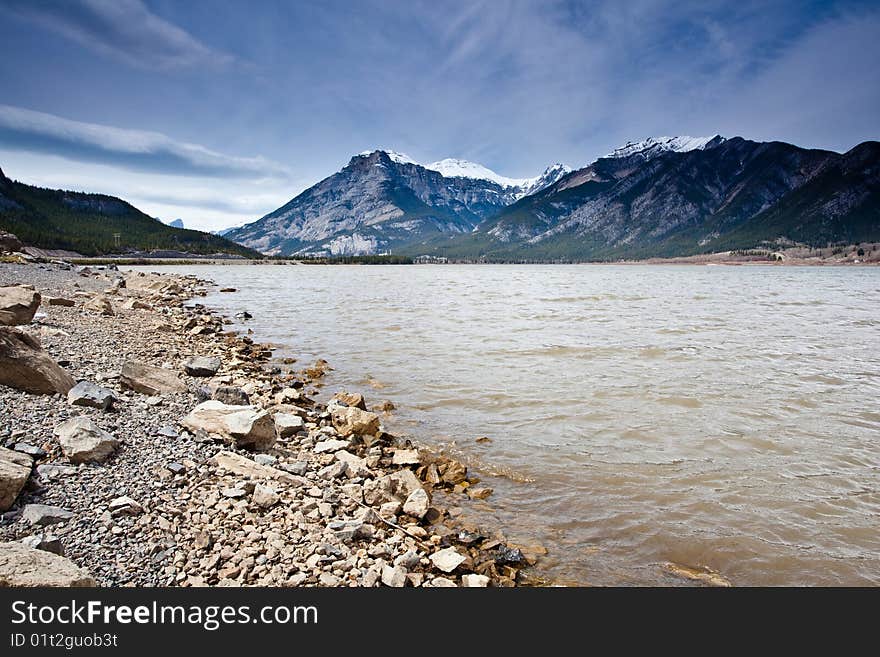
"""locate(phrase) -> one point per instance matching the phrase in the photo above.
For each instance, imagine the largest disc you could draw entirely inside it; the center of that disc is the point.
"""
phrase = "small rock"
(150, 380)
(231, 396)
(417, 503)
(288, 424)
(331, 445)
(60, 301)
(234, 493)
(202, 366)
(442, 582)
(48, 542)
(125, 506)
(348, 420)
(264, 496)
(405, 457)
(394, 577)
(15, 468)
(168, 432)
(474, 581)
(18, 304)
(83, 441)
(30, 450)
(176, 468)
(24, 365)
(85, 393)
(478, 492)
(447, 560)
(265, 459)
(100, 304)
(43, 514)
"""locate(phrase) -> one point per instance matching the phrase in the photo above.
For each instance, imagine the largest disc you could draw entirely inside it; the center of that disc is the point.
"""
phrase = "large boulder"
(22, 566)
(246, 427)
(18, 304)
(83, 441)
(350, 420)
(15, 468)
(9, 243)
(86, 393)
(25, 366)
(150, 380)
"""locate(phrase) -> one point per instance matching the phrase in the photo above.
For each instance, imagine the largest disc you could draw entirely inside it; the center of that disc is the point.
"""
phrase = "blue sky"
(220, 112)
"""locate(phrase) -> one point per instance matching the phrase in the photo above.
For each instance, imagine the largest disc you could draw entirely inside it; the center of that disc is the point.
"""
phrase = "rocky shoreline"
(184, 457)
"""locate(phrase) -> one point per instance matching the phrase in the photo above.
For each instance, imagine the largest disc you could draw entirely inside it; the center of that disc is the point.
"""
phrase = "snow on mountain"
(455, 168)
(400, 158)
(653, 146)
(551, 174)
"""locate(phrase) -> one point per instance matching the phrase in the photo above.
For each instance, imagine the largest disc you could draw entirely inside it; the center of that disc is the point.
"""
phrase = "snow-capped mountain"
(653, 146)
(383, 200)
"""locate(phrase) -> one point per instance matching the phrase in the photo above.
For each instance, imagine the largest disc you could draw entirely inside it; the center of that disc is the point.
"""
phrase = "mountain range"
(96, 224)
(663, 196)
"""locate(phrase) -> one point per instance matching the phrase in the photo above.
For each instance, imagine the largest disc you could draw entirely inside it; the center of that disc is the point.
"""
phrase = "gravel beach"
(207, 464)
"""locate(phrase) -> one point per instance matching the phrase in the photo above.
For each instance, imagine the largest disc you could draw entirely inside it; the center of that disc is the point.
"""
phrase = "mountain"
(89, 224)
(175, 223)
(385, 201)
(681, 196)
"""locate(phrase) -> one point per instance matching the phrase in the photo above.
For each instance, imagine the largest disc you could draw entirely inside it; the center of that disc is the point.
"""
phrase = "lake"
(726, 417)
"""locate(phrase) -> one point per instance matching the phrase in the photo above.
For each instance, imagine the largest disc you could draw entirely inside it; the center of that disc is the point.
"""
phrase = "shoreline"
(334, 501)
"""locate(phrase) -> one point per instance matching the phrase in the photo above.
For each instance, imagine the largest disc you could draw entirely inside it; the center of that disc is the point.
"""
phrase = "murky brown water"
(719, 416)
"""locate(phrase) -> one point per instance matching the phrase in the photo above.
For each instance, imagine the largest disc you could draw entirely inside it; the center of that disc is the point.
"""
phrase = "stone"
(474, 581)
(349, 530)
(352, 399)
(176, 468)
(417, 504)
(405, 457)
(150, 380)
(288, 395)
(384, 406)
(85, 393)
(15, 469)
(83, 441)
(168, 432)
(50, 471)
(227, 289)
(241, 465)
(328, 579)
(231, 395)
(233, 492)
(355, 464)
(24, 567)
(447, 559)
(394, 577)
(61, 301)
(409, 560)
(43, 514)
(25, 366)
(265, 459)
(18, 304)
(136, 304)
(506, 555)
(332, 445)
(288, 424)
(442, 582)
(47, 542)
(264, 496)
(125, 506)
(202, 366)
(348, 421)
(9, 243)
(453, 472)
(702, 574)
(247, 427)
(478, 492)
(100, 304)
(30, 450)
(296, 468)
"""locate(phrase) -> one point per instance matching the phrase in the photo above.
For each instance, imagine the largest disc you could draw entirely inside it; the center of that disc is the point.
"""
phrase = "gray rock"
(168, 432)
(83, 441)
(442, 582)
(30, 450)
(25, 366)
(233, 492)
(409, 560)
(176, 468)
(47, 542)
(21, 566)
(331, 445)
(85, 393)
(15, 468)
(150, 380)
(265, 459)
(100, 304)
(202, 366)
(50, 471)
(349, 530)
(287, 424)
(18, 304)
(232, 396)
(43, 514)
(405, 457)
(125, 506)
(296, 468)
(246, 427)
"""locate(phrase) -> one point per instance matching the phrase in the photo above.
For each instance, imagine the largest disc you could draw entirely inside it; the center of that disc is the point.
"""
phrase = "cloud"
(125, 29)
(137, 150)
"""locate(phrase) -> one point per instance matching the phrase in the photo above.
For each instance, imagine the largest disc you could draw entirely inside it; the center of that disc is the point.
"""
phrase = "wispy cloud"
(138, 150)
(125, 29)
